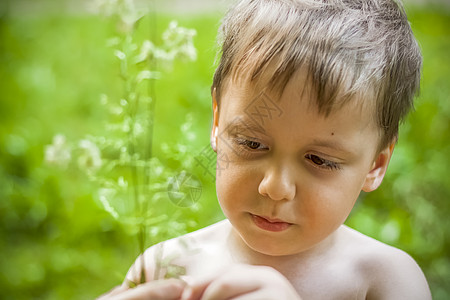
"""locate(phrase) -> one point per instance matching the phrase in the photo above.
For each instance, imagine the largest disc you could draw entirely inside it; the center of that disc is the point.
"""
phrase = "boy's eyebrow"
(331, 145)
(240, 125)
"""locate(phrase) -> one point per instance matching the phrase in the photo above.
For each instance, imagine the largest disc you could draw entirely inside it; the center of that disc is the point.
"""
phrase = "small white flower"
(158, 170)
(190, 136)
(147, 49)
(122, 182)
(185, 127)
(163, 55)
(180, 42)
(120, 54)
(90, 159)
(59, 152)
(188, 51)
(182, 148)
(116, 110)
(125, 127)
(104, 195)
(124, 155)
(113, 42)
(146, 74)
(138, 129)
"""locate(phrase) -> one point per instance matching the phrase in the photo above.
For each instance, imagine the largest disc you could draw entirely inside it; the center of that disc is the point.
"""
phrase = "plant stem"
(149, 136)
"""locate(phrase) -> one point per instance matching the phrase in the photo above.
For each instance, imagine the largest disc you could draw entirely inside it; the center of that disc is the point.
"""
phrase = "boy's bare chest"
(317, 280)
(329, 283)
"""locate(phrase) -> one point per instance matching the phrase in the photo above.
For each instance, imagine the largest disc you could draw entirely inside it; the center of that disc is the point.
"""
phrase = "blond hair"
(350, 48)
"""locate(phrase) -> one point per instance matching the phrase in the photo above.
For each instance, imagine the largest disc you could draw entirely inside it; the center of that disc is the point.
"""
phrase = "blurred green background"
(57, 242)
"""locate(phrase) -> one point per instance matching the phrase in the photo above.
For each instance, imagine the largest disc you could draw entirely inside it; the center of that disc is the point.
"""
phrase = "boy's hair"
(361, 49)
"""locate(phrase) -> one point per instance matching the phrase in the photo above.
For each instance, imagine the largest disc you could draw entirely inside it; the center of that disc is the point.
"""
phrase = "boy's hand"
(170, 289)
(244, 282)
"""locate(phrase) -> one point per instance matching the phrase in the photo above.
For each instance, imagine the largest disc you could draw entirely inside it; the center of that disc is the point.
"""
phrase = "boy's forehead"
(243, 81)
(299, 85)
(257, 99)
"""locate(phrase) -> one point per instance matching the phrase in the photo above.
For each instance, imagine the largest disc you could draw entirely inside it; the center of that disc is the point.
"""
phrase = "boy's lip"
(270, 224)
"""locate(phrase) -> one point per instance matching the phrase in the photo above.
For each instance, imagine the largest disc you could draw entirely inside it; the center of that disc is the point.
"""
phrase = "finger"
(226, 288)
(170, 289)
(194, 291)
(221, 286)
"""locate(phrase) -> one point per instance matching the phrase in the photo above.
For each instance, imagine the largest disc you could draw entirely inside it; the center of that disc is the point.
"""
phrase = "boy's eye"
(252, 145)
(322, 163)
(317, 160)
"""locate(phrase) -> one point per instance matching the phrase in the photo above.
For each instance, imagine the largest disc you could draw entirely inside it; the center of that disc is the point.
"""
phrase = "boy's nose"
(278, 184)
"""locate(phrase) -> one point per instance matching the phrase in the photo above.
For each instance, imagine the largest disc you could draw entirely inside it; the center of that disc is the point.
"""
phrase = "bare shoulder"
(181, 255)
(390, 272)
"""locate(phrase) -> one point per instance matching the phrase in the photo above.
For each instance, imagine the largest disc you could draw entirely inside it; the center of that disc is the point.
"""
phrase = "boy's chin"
(272, 247)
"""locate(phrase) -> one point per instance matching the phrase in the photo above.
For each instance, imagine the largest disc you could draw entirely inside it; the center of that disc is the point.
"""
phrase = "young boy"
(307, 100)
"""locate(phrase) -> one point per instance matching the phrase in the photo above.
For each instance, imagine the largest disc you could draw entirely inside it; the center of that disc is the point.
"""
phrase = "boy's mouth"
(274, 225)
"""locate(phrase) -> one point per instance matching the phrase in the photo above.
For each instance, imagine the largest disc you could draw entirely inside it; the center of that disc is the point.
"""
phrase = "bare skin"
(351, 266)
(289, 184)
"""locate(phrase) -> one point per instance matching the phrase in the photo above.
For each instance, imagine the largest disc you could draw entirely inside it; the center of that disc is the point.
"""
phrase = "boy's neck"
(241, 252)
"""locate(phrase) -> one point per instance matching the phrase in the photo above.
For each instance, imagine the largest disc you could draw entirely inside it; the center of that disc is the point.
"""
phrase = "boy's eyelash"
(317, 161)
(250, 144)
(323, 163)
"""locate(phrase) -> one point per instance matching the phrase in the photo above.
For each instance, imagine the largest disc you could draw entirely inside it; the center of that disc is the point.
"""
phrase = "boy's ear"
(379, 168)
(215, 125)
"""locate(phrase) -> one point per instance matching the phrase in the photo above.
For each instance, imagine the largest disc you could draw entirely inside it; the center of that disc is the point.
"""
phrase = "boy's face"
(287, 176)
